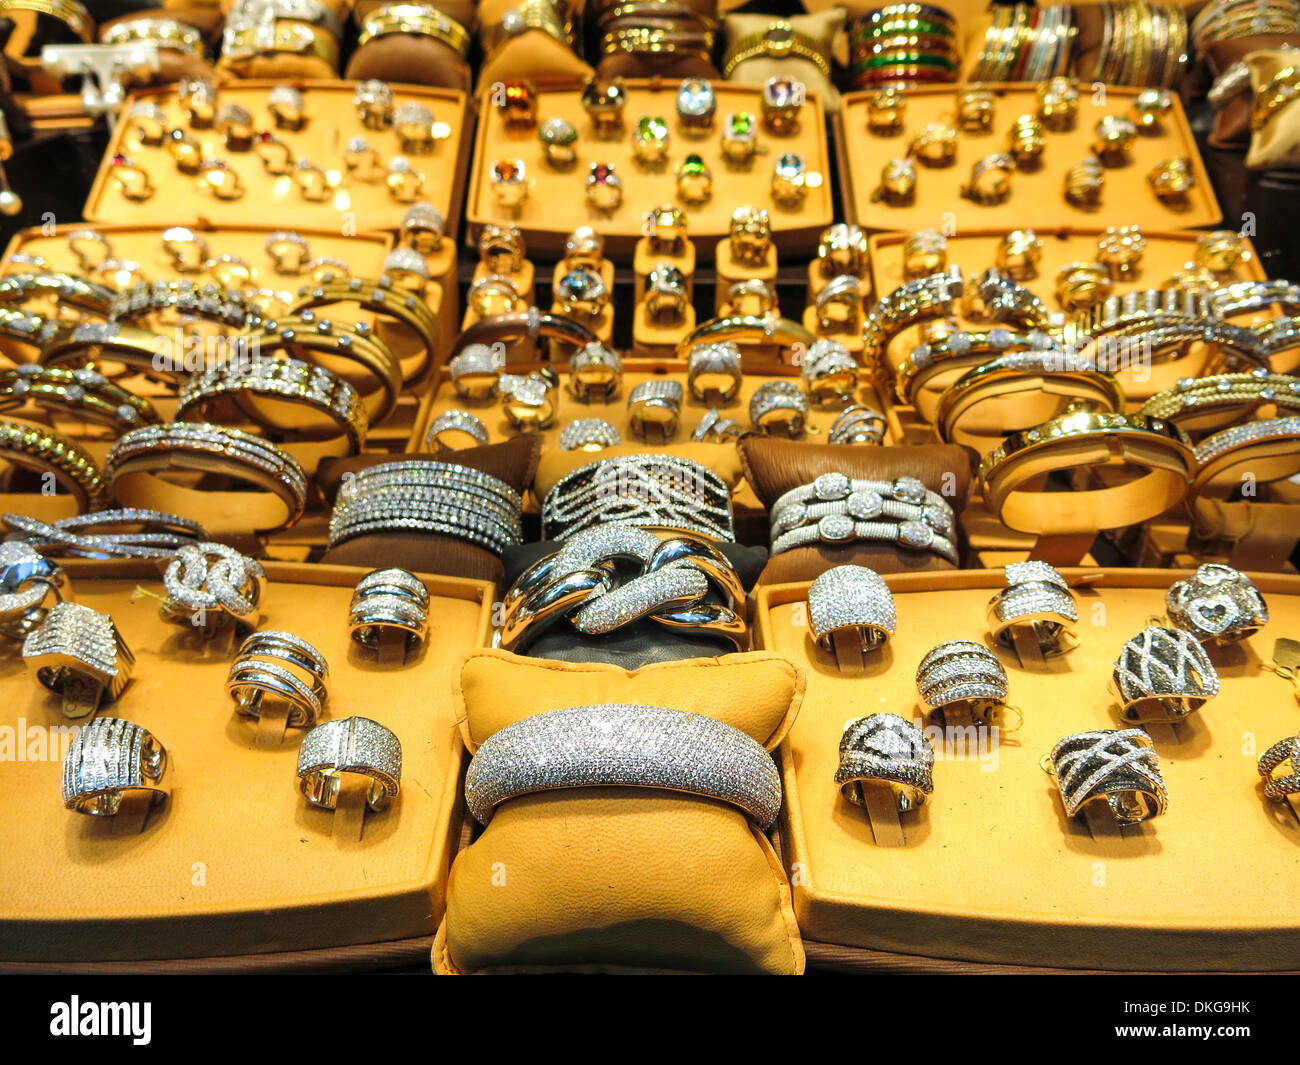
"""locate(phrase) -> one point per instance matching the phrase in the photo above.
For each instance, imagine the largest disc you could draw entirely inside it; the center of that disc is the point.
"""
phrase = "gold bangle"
(165, 33)
(1262, 451)
(40, 450)
(779, 41)
(1081, 441)
(378, 297)
(136, 350)
(62, 289)
(422, 20)
(1215, 402)
(83, 393)
(69, 12)
(528, 15)
(288, 37)
(932, 365)
(767, 329)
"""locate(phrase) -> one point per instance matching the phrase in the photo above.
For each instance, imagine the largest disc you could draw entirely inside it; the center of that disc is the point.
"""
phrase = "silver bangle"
(867, 496)
(622, 745)
(146, 533)
(350, 745)
(839, 530)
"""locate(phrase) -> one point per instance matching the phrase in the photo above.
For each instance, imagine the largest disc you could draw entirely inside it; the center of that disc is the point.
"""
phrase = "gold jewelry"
(694, 180)
(247, 39)
(1081, 286)
(1150, 108)
(752, 296)
(235, 126)
(1221, 251)
(666, 226)
(422, 20)
(1114, 138)
(935, 145)
(138, 350)
(778, 41)
(750, 235)
(924, 253)
(216, 176)
(83, 394)
(1279, 91)
(975, 109)
(501, 248)
(781, 332)
(313, 183)
(404, 182)
(885, 111)
(1120, 249)
(1078, 442)
(69, 12)
(509, 182)
(1201, 404)
(130, 177)
(44, 452)
(276, 156)
(1171, 180)
(843, 249)
(1019, 253)
(1083, 184)
(1058, 103)
(897, 183)
(1026, 141)
(494, 294)
(990, 179)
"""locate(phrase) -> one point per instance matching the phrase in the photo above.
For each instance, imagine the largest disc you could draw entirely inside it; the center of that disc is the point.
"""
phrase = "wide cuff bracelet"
(889, 751)
(1117, 767)
(622, 745)
(1036, 598)
(107, 759)
(854, 600)
(389, 600)
(79, 654)
(350, 745)
(284, 667)
(1163, 675)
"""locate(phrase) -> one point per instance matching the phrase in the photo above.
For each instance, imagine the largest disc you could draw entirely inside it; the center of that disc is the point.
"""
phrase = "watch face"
(779, 39)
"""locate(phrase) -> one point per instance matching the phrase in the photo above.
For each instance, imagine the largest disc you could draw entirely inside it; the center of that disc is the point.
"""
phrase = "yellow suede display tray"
(557, 203)
(236, 862)
(1037, 199)
(991, 870)
(355, 206)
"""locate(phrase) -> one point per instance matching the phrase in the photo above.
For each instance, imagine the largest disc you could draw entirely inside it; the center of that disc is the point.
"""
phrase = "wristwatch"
(779, 40)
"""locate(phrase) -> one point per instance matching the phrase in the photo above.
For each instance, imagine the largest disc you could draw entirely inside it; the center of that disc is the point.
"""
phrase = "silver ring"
(851, 598)
(595, 370)
(778, 404)
(1038, 599)
(961, 671)
(628, 746)
(27, 580)
(655, 402)
(1119, 767)
(829, 371)
(589, 434)
(79, 654)
(1278, 788)
(712, 361)
(1217, 604)
(887, 750)
(715, 429)
(857, 425)
(284, 666)
(354, 745)
(476, 371)
(209, 584)
(1163, 674)
(453, 430)
(389, 599)
(108, 758)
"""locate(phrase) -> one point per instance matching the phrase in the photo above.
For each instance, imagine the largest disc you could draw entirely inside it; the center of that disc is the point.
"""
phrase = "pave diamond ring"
(284, 667)
(853, 601)
(453, 430)
(857, 425)
(389, 601)
(714, 368)
(208, 585)
(1278, 787)
(27, 579)
(1116, 767)
(962, 671)
(476, 371)
(624, 745)
(79, 654)
(106, 760)
(1163, 675)
(589, 434)
(656, 403)
(595, 372)
(1216, 604)
(778, 406)
(1036, 598)
(885, 750)
(350, 745)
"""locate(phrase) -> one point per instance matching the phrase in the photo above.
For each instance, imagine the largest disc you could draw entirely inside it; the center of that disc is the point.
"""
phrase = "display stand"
(647, 258)
(602, 325)
(730, 271)
(523, 350)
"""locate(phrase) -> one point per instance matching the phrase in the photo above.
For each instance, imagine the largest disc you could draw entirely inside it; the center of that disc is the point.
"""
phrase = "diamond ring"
(962, 671)
(106, 760)
(852, 600)
(285, 667)
(389, 601)
(79, 654)
(1038, 599)
(1163, 675)
(885, 750)
(1217, 604)
(1117, 767)
(350, 745)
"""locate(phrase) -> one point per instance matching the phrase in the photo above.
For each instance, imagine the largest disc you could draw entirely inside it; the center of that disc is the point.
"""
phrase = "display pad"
(556, 203)
(331, 121)
(991, 870)
(1037, 198)
(236, 862)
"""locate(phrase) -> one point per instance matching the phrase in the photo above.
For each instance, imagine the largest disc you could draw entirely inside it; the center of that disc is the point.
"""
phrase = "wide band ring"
(78, 653)
(1163, 674)
(595, 371)
(285, 667)
(854, 600)
(589, 434)
(885, 750)
(961, 671)
(714, 368)
(354, 745)
(453, 430)
(778, 405)
(1278, 787)
(829, 371)
(476, 371)
(1036, 599)
(1117, 767)
(108, 759)
(1216, 604)
(389, 600)
(209, 585)
(623, 745)
(656, 402)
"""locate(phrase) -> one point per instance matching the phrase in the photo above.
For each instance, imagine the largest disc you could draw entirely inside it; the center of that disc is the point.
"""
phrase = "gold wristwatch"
(779, 40)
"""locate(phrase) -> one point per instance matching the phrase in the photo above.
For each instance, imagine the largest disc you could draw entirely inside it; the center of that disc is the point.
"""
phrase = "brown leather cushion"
(656, 65)
(412, 60)
(773, 467)
(513, 461)
(1232, 123)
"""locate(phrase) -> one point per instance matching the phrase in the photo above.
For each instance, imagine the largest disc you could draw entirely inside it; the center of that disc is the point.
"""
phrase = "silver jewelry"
(961, 671)
(284, 666)
(81, 242)
(1242, 296)
(455, 429)
(665, 294)
(584, 247)
(623, 745)
(714, 360)
(404, 268)
(1000, 299)
(839, 304)
(108, 758)
(528, 399)
(715, 429)
(790, 180)
(902, 499)
(389, 600)
(27, 580)
(655, 402)
(581, 292)
(1216, 604)
(79, 654)
(363, 162)
(1163, 674)
(1278, 788)
(589, 434)
(656, 491)
(423, 228)
(476, 371)
(595, 371)
(697, 103)
(148, 123)
(150, 533)
(373, 101)
(829, 371)
(413, 124)
(857, 425)
(1118, 767)
(349, 745)
(208, 585)
(887, 750)
(1037, 598)
(778, 404)
(851, 598)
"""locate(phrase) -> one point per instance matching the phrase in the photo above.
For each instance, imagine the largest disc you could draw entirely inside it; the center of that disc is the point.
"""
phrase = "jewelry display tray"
(1037, 199)
(268, 200)
(235, 863)
(991, 871)
(557, 203)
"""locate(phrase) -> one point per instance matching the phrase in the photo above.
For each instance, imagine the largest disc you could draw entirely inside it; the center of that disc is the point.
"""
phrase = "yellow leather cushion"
(722, 459)
(615, 879)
